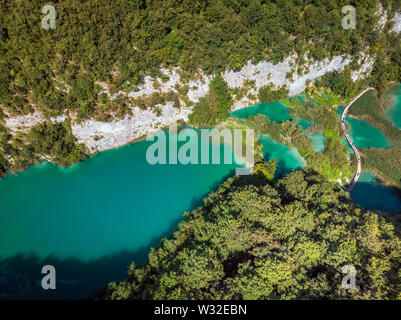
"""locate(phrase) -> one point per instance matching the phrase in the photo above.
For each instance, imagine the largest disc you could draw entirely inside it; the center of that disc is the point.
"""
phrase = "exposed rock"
(397, 22)
(382, 14)
(366, 63)
(99, 136)
(24, 123)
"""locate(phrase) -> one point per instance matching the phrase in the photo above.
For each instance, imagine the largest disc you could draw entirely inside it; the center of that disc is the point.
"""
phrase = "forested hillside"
(118, 42)
(257, 239)
(100, 44)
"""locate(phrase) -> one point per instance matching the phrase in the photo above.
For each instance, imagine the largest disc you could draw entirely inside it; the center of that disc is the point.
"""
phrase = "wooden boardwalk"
(358, 156)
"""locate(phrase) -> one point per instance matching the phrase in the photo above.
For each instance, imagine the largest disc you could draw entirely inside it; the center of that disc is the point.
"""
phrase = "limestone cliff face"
(397, 22)
(97, 135)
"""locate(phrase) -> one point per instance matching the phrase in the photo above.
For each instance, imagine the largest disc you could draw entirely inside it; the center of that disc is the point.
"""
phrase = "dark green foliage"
(215, 106)
(4, 164)
(255, 240)
(340, 83)
(57, 141)
(387, 67)
(386, 162)
(45, 141)
(120, 41)
(267, 94)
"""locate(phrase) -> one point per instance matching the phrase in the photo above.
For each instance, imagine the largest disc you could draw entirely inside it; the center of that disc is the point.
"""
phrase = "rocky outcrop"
(397, 22)
(97, 135)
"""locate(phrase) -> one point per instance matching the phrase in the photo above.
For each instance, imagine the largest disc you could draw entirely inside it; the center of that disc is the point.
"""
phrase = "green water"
(289, 158)
(363, 134)
(276, 112)
(91, 220)
(301, 97)
(305, 123)
(394, 113)
(318, 141)
(372, 194)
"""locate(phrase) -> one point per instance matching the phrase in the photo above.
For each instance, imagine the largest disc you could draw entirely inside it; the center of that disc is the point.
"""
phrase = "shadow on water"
(377, 197)
(20, 275)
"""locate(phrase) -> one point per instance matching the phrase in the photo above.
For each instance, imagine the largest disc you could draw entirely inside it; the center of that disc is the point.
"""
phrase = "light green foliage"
(266, 169)
(255, 239)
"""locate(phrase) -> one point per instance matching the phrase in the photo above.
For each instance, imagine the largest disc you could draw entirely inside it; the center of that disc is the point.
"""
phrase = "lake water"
(394, 113)
(318, 140)
(289, 158)
(276, 112)
(91, 220)
(370, 193)
(305, 123)
(363, 134)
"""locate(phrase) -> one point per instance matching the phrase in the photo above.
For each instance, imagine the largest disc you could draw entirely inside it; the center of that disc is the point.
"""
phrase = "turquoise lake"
(289, 158)
(303, 123)
(91, 220)
(394, 113)
(276, 112)
(363, 134)
(318, 141)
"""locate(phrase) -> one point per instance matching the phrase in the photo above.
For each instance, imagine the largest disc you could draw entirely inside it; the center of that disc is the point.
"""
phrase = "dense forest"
(118, 42)
(258, 238)
(215, 106)
(50, 141)
(99, 43)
